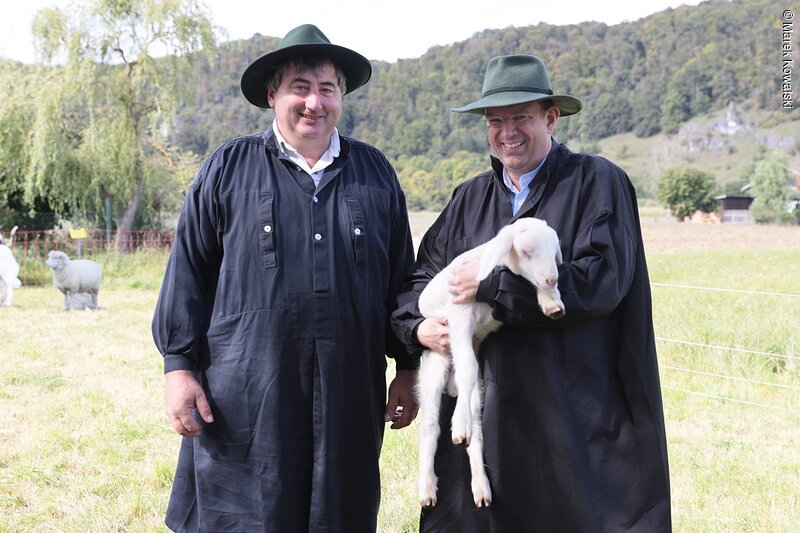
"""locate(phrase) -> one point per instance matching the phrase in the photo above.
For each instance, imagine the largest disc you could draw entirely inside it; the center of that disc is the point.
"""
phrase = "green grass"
(85, 446)
(734, 466)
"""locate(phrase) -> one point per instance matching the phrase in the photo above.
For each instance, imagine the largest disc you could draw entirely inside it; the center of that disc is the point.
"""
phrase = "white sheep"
(529, 248)
(9, 271)
(72, 277)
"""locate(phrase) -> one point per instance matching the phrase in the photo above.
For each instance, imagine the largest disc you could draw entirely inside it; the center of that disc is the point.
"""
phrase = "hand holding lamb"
(73, 277)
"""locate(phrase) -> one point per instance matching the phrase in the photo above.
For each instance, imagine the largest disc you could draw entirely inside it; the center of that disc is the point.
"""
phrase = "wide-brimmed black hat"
(518, 79)
(303, 39)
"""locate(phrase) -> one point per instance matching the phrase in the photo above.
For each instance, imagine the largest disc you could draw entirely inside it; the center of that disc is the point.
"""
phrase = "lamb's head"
(529, 248)
(56, 260)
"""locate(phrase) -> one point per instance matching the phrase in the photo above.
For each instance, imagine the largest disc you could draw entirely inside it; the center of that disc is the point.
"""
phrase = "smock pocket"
(266, 214)
(358, 231)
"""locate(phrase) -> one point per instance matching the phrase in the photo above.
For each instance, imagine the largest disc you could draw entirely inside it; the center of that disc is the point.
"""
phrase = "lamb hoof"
(482, 500)
(461, 428)
(555, 311)
(427, 494)
(481, 493)
(462, 440)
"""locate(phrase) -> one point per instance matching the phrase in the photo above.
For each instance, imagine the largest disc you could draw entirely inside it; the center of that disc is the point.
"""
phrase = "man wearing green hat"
(573, 425)
(274, 314)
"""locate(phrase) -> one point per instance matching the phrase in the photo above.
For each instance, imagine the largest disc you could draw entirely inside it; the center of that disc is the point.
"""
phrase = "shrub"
(685, 190)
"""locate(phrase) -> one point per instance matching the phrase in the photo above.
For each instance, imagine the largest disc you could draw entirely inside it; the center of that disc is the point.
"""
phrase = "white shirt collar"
(325, 159)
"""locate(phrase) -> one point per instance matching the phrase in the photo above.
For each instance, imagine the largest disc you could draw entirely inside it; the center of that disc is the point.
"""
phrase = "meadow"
(85, 446)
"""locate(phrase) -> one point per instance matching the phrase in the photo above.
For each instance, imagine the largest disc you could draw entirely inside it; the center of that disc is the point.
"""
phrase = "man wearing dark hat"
(274, 314)
(573, 424)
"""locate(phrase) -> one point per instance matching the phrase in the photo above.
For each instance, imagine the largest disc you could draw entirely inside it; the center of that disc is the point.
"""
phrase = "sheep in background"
(529, 248)
(9, 271)
(75, 277)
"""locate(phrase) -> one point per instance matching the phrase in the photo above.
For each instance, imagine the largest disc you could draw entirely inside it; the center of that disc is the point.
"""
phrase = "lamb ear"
(496, 250)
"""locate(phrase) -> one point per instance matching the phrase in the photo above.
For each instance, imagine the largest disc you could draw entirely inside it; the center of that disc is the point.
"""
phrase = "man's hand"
(463, 282)
(434, 334)
(183, 394)
(401, 408)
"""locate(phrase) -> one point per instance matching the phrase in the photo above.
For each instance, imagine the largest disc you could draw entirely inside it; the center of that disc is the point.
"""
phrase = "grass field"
(84, 445)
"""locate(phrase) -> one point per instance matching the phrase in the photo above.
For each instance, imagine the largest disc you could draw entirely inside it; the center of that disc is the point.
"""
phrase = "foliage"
(427, 185)
(643, 77)
(772, 190)
(686, 190)
(102, 121)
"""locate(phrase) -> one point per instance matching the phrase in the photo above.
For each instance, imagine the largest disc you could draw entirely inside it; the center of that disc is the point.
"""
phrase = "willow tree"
(105, 110)
(16, 111)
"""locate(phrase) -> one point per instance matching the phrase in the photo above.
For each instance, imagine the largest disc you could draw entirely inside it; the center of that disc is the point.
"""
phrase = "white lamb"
(529, 248)
(9, 271)
(72, 277)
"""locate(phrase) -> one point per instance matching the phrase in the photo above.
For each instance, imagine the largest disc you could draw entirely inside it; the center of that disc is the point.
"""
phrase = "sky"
(385, 30)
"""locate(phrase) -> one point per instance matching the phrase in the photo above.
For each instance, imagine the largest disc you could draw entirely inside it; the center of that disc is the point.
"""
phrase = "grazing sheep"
(9, 271)
(529, 248)
(74, 277)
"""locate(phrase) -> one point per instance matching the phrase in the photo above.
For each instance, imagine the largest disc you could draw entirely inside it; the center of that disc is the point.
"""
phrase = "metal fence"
(31, 247)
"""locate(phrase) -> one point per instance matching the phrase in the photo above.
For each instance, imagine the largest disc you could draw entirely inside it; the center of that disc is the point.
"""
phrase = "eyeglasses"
(495, 123)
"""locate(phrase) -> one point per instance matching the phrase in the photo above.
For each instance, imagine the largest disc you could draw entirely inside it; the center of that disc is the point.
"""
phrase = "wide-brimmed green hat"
(518, 79)
(303, 39)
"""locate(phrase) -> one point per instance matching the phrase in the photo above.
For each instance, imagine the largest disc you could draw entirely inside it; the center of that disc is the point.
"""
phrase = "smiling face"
(307, 104)
(520, 135)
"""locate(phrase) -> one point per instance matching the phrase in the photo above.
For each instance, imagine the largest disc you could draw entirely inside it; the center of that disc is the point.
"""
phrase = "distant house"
(735, 209)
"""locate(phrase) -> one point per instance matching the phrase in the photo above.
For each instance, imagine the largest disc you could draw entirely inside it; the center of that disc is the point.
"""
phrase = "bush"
(773, 191)
(686, 190)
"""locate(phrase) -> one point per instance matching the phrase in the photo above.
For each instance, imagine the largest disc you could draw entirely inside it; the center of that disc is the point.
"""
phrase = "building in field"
(735, 209)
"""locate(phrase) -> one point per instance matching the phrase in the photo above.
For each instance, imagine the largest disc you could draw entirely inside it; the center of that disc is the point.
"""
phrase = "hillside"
(643, 77)
(655, 91)
(729, 151)
(647, 86)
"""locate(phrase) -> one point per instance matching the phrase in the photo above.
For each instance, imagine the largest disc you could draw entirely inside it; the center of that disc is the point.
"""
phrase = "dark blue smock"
(573, 425)
(278, 296)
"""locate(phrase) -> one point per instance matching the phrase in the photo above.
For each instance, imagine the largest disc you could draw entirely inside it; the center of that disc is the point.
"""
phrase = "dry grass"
(84, 445)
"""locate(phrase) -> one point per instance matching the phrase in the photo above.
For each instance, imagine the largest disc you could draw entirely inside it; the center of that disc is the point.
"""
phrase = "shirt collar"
(524, 180)
(289, 151)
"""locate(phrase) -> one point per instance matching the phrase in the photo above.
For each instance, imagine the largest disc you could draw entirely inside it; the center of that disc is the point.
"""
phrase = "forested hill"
(646, 77)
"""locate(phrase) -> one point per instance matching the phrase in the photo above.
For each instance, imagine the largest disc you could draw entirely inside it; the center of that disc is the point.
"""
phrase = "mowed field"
(84, 444)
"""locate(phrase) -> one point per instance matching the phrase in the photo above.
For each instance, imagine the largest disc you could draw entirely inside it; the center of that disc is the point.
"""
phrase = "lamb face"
(536, 255)
(56, 260)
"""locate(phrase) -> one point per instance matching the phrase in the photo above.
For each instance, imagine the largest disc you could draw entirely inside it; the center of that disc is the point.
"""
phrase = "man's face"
(307, 105)
(520, 135)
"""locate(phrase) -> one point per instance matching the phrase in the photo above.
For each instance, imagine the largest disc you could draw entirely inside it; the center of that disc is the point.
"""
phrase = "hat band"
(524, 89)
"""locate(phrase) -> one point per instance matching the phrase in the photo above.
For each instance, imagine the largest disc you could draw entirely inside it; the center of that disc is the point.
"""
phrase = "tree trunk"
(124, 241)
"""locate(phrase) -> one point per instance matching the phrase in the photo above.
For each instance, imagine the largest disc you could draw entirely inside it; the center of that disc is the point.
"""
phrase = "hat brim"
(356, 68)
(569, 105)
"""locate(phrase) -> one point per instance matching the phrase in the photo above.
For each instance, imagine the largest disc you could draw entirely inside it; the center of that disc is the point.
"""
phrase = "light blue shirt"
(518, 197)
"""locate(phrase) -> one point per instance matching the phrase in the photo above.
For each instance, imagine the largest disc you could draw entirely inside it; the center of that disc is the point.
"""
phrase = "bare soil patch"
(663, 235)
(671, 236)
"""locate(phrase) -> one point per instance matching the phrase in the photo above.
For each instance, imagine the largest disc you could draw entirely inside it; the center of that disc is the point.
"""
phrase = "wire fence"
(708, 378)
(31, 247)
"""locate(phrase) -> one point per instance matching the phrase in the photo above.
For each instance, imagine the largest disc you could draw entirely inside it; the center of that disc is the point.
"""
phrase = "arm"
(592, 284)
(600, 259)
(431, 258)
(401, 405)
(185, 301)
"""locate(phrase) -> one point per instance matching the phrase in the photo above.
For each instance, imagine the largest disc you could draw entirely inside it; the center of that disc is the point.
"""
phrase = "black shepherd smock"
(278, 296)
(573, 424)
